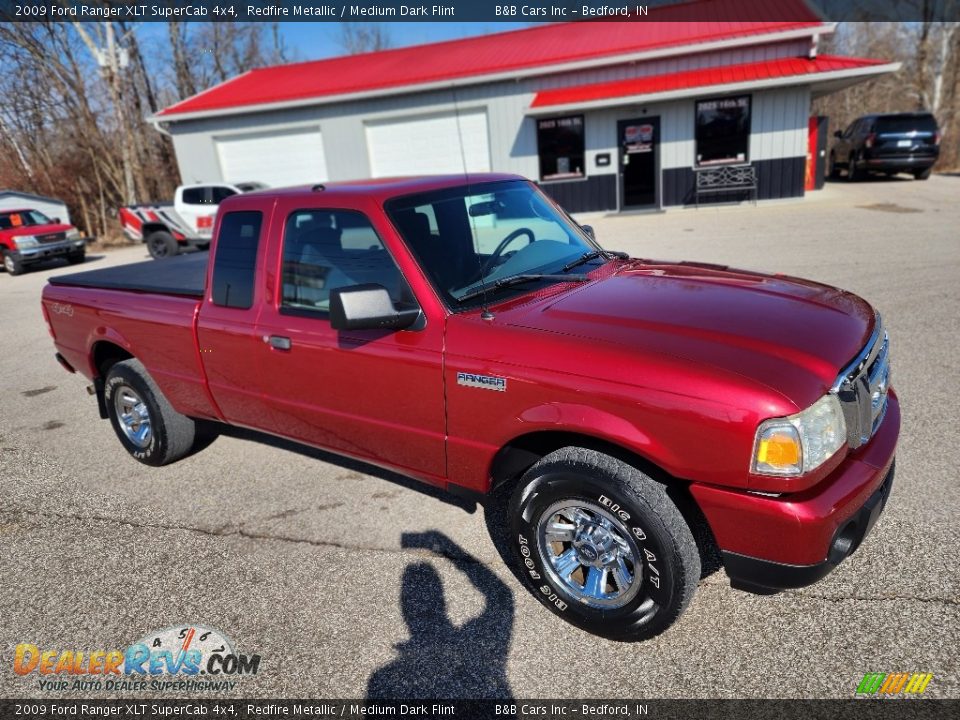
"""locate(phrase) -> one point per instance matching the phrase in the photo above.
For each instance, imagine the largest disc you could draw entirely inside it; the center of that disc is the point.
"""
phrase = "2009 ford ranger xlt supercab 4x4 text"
(467, 332)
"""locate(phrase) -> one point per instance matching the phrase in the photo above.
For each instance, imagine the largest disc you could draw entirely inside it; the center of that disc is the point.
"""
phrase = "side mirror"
(54, 221)
(368, 307)
(588, 229)
(838, 133)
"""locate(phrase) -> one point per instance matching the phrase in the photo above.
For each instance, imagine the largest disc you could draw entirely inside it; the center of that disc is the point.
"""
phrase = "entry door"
(639, 162)
(374, 395)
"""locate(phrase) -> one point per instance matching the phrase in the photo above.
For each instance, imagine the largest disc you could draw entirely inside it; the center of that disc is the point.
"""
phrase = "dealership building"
(604, 115)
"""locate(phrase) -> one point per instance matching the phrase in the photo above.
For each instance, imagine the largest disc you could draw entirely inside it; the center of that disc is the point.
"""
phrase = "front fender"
(596, 423)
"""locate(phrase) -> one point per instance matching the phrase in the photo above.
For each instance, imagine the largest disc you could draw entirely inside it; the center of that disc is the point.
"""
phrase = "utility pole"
(112, 59)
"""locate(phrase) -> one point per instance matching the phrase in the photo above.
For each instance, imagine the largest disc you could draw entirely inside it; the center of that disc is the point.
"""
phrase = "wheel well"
(521, 453)
(106, 355)
(150, 228)
(515, 458)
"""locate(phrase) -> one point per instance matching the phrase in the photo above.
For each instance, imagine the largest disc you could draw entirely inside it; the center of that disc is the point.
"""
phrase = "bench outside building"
(733, 179)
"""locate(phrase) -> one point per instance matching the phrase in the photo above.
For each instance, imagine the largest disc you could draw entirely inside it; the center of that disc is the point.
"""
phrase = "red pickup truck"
(28, 236)
(467, 332)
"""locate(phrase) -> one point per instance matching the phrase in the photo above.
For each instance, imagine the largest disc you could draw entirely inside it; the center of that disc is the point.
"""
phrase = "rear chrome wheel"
(589, 554)
(133, 416)
(145, 422)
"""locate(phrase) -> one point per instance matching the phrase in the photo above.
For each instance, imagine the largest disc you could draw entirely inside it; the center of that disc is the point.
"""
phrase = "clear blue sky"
(313, 40)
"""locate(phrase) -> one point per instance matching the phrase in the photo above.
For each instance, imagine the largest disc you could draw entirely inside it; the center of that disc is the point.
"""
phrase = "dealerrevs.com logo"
(188, 658)
(891, 685)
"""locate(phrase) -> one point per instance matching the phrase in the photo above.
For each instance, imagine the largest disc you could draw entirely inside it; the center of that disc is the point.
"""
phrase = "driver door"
(374, 395)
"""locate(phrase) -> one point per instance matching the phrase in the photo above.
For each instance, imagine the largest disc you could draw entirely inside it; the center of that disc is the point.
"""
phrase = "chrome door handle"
(277, 342)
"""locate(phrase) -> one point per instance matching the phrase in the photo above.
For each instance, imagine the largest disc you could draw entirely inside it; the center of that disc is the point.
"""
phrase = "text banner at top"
(487, 11)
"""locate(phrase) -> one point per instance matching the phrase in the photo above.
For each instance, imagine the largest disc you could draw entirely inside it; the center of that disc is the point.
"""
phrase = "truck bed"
(183, 275)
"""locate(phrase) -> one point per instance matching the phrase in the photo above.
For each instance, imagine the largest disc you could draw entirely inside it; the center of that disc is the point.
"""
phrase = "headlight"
(802, 442)
(26, 241)
(73, 234)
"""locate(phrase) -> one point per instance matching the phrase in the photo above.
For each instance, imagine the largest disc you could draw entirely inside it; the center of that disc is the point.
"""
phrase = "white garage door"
(429, 144)
(280, 158)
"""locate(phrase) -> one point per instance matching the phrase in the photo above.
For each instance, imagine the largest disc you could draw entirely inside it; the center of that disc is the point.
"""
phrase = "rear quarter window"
(235, 262)
(194, 196)
(906, 124)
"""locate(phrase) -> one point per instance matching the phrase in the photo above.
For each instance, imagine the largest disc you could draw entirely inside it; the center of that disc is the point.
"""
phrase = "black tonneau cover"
(180, 275)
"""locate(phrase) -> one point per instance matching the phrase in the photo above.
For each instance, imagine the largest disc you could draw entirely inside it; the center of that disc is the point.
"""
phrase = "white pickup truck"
(187, 222)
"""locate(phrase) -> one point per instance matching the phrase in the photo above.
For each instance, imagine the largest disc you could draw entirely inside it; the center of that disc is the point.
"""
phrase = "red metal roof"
(500, 53)
(727, 74)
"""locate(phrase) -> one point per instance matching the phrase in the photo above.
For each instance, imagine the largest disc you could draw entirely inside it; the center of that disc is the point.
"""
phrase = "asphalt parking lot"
(325, 567)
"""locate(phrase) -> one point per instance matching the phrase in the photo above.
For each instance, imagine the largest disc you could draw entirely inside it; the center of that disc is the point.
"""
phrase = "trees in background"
(72, 124)
(73, 121)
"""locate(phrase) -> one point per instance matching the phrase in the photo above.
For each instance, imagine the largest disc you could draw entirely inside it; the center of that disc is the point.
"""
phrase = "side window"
(234, 266)
(193, 196)
(221, 193)
(560, 145)
(722, 132)
(328, 249)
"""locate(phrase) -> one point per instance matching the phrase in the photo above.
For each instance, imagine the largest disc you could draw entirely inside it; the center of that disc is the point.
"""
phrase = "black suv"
(893, 143)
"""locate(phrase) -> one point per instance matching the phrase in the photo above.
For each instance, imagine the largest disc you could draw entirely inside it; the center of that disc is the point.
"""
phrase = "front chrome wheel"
(589, 554)
(133, 416)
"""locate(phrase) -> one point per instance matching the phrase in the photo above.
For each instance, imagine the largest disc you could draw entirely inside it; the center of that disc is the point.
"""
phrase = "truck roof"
(384, 188)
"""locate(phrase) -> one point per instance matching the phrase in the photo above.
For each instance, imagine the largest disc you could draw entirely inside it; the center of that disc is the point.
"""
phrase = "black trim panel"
(596, 192)
(778, 178)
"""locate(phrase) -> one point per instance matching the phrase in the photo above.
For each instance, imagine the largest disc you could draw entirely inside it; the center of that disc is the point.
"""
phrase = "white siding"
(278, 158)
(48, 206)
(779, 119)
(450, 142)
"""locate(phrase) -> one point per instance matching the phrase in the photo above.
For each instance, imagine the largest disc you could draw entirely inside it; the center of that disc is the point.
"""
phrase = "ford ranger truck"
(28, 237)
(466, 332)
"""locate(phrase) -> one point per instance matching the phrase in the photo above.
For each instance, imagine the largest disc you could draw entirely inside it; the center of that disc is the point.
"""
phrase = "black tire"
(75, 258)
(162, 245)
(171, 434)
(922, 174)
(853, 169)
(834, 170)
(639, 513)
(12, 264)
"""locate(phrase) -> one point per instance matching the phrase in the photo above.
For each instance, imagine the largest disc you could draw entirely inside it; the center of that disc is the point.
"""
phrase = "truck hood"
(792, 335)
(47, 229)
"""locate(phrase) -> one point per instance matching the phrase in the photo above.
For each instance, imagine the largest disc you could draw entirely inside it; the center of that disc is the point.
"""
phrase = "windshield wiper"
(518, 280)
(593, 255)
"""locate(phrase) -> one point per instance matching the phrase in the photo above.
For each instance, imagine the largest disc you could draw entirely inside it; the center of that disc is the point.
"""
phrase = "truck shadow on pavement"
(440, 659)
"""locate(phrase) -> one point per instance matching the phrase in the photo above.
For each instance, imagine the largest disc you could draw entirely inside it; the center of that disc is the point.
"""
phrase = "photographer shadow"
(441, 659)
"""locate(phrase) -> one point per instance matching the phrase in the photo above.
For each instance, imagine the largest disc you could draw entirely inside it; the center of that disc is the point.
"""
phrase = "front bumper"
(761, 576)
(772, 543)
(51, 250)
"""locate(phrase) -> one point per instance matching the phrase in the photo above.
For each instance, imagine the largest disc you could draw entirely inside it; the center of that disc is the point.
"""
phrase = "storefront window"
(561, 148)
(723, 130)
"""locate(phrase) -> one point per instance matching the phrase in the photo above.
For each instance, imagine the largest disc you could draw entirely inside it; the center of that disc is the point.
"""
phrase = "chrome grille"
(52, 237)
(862, 388)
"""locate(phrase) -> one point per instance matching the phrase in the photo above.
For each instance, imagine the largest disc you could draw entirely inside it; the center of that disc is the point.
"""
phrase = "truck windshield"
(22, 218)
(466, 238)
